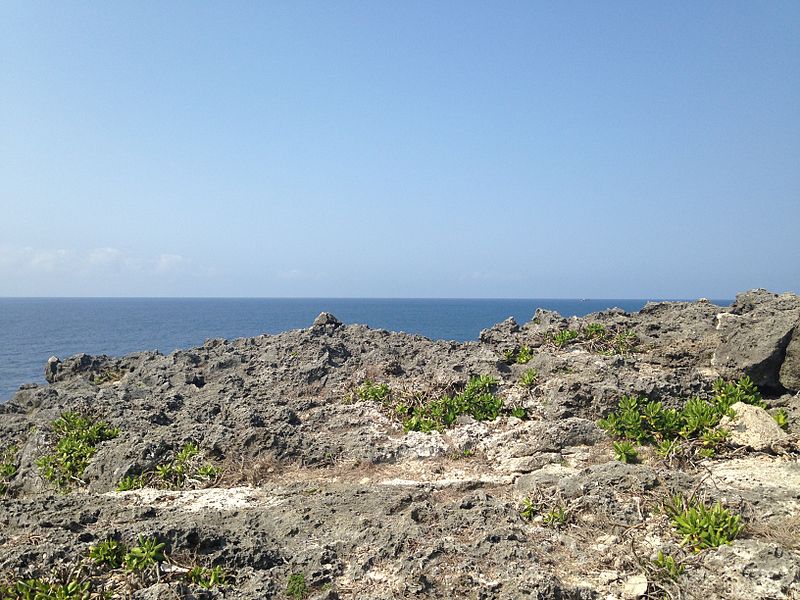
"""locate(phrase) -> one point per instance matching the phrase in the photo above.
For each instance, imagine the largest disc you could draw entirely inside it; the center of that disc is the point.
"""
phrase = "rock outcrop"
(309, 478)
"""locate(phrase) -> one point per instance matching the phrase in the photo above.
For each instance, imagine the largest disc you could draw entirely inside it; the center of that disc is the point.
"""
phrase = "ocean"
(33, 329)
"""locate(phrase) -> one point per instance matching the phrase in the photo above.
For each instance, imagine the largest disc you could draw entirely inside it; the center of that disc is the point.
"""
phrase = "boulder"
(790, 369)
(325, 324)
(755, 335)
(752, 427)
(51, 369)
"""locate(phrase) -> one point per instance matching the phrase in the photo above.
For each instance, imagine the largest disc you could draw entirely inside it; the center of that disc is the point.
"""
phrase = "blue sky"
(412, 149)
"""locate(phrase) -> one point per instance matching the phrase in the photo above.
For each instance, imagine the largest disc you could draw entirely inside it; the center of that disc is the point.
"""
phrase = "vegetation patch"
(187, 469)
(550, 512)
(296, 586)
(45, 589)
(529, 379)
(520, 356)
(643, 422)
(77, 437)
(8, 467)
(701, 525)
(207, 578)
(477, 400)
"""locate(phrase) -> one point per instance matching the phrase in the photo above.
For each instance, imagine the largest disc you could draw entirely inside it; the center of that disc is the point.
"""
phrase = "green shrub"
(646, 422)
(477, 401)
(373, 392)
(624, 342)
(41, 589)
(564, 337)
(148, 552)
(596, 330)
(109, 554)
(207, 578)
(529, 378)
(296, 586)
(781, 418)
(703, 526)
(667, 566)
(8, 467)
(625, 452)
(525, 355)
(77, 439)
(131, 482)
(556, 517)
(187, 467)
(529, 509)
(519, 412)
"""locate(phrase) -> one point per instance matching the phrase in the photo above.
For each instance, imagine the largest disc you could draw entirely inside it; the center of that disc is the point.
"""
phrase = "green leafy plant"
(296, 586)
(703, 526)
(667, 566)
(207, 578)
(529, 378)
(519, 412)
(624, 342)
(370, 391)
(524, 355)
(148, 552)
(109, 554)
(41, 589)
(595, 330)
(564, 337)
(8, 467)
(131, 482)
(644, 422)
(556, 517)
(77, 440)
(477, 400)
(186, 468)
(625, 452)
(781, 418)
(529, 509)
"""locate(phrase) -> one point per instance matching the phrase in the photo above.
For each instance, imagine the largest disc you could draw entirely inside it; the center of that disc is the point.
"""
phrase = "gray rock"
(755, 336)
(51, 369)
(752, 427)
(790, 369)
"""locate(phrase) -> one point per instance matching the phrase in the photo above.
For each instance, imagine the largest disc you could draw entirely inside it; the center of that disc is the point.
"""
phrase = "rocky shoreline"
(344, 462)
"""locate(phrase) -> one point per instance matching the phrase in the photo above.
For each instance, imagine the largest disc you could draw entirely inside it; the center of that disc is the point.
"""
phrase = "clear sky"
(399, 149)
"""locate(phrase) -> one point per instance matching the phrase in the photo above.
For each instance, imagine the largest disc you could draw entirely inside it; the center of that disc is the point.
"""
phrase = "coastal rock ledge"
(341, 461)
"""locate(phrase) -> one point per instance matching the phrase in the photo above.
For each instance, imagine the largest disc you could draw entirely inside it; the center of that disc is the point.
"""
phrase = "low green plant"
(109, 553)
(185, 468)
(529, 509)
(703, 526)
(781, 418)
(370, 391)
(477, 400)
(667, 566)
(595, 330)
(8, 467)
(624, 342)
(524, 355)
(207, 578)
(625, 452)
(148, 552)
(519, 412)
(644, 422)
(131, 482)
(529, 378)
(41, 589)
(564, 337)
(556, 517)
(77, 437)
(296, 586)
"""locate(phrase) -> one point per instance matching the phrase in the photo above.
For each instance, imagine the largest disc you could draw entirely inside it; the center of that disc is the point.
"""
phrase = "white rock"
(635, 586)
(752, 427)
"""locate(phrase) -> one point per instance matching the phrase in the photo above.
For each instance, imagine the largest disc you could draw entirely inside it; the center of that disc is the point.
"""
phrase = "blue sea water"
(33, 329)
